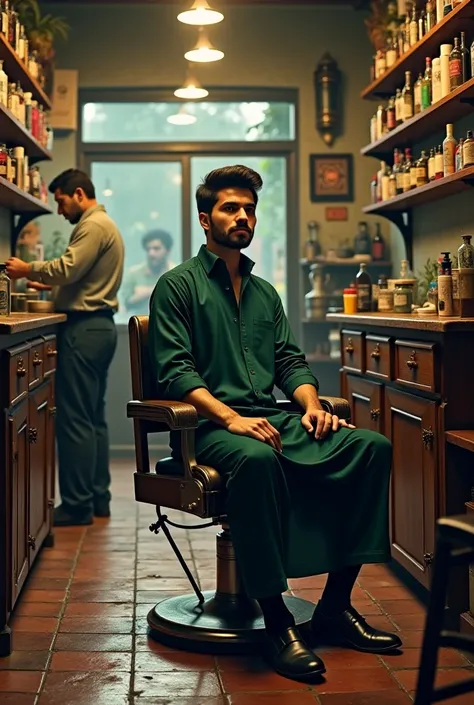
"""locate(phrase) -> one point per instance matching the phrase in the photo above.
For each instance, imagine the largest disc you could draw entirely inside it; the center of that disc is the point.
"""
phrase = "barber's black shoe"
(290, 657)
(351, 630)
(102, 510)
(63, 517)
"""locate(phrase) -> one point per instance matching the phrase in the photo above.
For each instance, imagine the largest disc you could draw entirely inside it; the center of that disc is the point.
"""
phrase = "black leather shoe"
(62, 517)
(102, 510)
(290, 657)
(351, 630)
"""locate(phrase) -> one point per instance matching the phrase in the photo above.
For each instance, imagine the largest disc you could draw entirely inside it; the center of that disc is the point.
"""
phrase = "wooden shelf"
(414, 59)
(17, 71)
(19, 201)
(434, 191)
(463, 439)
(14, 134)
(349, 262)
(447, 110)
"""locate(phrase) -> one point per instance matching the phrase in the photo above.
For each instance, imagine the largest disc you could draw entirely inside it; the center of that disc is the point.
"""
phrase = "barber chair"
(220, 621)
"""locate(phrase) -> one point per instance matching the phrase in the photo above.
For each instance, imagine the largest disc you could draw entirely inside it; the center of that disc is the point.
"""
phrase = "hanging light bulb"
(107, 192)
(200, 14)
(182, 117)
(204, 52)
(192, 89)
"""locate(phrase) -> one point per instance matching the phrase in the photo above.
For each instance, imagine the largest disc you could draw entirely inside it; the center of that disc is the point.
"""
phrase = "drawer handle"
(374, 414)
(51, 352)
(20, 368)
(33, 435)
(428, 558)
(350, 347)
(36, 359)
(32, 542)
(412, 363)
(427, 436)
(375, 354)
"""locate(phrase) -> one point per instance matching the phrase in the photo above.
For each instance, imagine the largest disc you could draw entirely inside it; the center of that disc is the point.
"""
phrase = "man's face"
(70, 207)
(232, 221)
(156, 254)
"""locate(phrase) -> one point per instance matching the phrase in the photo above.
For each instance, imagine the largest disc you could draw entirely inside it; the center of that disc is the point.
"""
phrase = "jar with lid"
(350, 300)
(402, 298)
(35, 182)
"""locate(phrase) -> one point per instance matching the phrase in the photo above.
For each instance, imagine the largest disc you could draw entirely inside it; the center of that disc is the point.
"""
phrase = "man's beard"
(74, 218)
(227, 238)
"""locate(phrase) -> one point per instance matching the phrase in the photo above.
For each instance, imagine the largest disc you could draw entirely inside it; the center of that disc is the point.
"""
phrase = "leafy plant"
(41, 30)
(425, 277)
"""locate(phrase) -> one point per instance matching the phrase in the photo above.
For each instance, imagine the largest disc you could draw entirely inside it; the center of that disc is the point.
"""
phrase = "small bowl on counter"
(37, 306)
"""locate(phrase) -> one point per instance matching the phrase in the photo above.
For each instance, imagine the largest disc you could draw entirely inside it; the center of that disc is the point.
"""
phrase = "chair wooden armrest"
(334, 405)
(175, 415)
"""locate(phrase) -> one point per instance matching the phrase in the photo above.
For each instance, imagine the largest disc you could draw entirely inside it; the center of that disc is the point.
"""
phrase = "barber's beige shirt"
(89, 273)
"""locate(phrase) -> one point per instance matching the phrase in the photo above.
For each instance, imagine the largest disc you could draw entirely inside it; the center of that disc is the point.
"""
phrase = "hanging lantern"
(327, 86)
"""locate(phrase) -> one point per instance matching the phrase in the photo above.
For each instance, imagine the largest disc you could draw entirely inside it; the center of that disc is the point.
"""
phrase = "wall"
(143, 45)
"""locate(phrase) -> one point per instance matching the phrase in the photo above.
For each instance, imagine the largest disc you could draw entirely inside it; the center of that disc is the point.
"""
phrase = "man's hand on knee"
(258, 428)
(321, 423)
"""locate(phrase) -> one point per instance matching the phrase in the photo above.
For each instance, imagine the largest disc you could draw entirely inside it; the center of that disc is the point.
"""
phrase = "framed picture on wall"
(331, 178)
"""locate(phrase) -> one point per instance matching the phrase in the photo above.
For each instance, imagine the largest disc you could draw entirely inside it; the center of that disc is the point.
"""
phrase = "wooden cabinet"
(365, 398)
(27, 478)
(410, 423)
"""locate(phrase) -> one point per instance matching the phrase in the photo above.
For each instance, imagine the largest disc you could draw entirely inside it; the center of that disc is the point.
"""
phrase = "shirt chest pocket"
(263, 340)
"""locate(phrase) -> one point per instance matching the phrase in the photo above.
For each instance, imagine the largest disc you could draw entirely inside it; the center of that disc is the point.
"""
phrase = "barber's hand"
(38, 286)
(321, 423)
(17, 269)
(259, 428)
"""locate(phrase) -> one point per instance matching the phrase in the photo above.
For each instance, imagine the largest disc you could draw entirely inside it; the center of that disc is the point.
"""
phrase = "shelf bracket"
(469, 180)
(403, 221)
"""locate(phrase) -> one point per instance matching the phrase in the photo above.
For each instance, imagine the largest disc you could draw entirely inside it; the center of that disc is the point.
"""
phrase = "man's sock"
(336, 597)
(276, 614)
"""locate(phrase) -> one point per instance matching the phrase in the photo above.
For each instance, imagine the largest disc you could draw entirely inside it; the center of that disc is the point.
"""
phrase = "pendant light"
(192, 89)
(203, 52)
(182, 117)
(200, 14)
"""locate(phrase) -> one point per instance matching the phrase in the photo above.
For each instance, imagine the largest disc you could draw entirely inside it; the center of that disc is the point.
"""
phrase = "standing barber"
(88, 277)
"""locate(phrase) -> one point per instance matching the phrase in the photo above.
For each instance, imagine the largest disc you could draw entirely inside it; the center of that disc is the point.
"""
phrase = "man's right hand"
(259, 428)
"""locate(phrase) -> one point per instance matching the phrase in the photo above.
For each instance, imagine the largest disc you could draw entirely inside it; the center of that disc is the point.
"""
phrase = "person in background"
(141, 278)
(86, 278)
(306, 493)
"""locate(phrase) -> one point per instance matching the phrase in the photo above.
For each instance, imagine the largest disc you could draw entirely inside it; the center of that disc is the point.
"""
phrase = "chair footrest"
(454, 640)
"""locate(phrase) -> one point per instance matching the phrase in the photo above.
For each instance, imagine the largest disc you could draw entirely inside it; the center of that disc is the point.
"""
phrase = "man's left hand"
(321, 423)
(16, 268)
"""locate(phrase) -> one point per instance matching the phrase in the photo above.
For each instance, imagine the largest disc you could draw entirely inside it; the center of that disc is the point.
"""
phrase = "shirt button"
(246, 349)
(235, 320)
(227, 288)
(252, 372)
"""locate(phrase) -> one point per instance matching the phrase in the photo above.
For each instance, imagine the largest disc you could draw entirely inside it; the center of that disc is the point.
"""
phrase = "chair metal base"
(219, 625)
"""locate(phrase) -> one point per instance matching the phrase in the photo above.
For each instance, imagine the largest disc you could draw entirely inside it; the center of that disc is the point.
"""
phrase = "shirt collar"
(208, 260)
(89, 211)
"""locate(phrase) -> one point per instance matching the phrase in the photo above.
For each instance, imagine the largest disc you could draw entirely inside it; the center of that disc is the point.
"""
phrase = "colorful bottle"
(449, 152)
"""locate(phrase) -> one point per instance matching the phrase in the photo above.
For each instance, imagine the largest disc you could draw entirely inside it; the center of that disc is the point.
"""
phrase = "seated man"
(305, 494)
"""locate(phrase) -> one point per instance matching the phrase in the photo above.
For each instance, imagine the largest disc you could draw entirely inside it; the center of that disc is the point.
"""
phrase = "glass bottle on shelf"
(466, 253)
(459, 162)
(417, 95)
(3, 86)
(465, 63)
(448, 6)
(430, 15)
(399, 174)
(407, 97)
(362, 241)
(455, 66)
(5, 291)
(431, 166)
(439, 163)
(5, 20)
(407, 171)
(426, 86)
(468, 150)
(312, 246)
(378, 245)
(364, 289)
(449, 148)
(422, 170)
(399, 111)
(391, 116)
(413, 27)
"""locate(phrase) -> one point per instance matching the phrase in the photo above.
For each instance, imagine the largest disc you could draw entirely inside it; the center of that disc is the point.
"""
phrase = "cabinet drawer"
(50, 354)
(36, 362)
(378, 357)
(352, 350)
(18, 368)
(415, 365)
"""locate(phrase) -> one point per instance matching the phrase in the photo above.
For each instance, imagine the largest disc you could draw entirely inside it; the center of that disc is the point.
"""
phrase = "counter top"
(404, 320)
(19, 322)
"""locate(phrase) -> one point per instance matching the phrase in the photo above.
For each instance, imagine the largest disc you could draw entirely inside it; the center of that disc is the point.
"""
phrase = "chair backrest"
(143, 384)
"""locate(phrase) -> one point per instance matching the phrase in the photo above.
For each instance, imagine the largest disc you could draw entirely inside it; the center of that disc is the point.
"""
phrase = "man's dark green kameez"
(319, 505)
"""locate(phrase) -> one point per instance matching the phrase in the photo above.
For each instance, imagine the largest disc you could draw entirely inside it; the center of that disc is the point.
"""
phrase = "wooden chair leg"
(434, 623)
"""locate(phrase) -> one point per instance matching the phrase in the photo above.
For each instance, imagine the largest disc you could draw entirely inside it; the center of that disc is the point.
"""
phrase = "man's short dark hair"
(164, 237)
(70, 180)
(236, 176)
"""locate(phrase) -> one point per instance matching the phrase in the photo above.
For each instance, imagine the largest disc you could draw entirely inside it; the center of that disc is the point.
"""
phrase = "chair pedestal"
(227, 621)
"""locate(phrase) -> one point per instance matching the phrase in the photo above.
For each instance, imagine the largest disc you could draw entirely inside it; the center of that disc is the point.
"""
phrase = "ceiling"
(216, 3)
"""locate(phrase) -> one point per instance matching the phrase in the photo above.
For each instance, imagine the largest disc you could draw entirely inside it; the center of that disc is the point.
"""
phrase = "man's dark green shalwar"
(319, 505)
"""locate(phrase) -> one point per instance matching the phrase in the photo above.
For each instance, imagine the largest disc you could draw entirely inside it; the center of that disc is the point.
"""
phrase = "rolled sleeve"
(170, 340)
(291, 368)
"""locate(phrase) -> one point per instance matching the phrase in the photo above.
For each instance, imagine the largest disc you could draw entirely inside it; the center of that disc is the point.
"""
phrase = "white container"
(3, 86)
(439, 10)
(445, 50)
(436, 80)
(445, 295)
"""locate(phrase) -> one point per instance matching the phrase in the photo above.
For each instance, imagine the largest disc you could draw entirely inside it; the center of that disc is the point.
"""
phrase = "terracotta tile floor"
(80, 635)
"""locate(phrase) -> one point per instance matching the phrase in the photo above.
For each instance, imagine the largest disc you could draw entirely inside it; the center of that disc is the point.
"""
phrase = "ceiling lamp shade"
(203, 52)
(192, 89)
(200, 14)
(182, 117)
